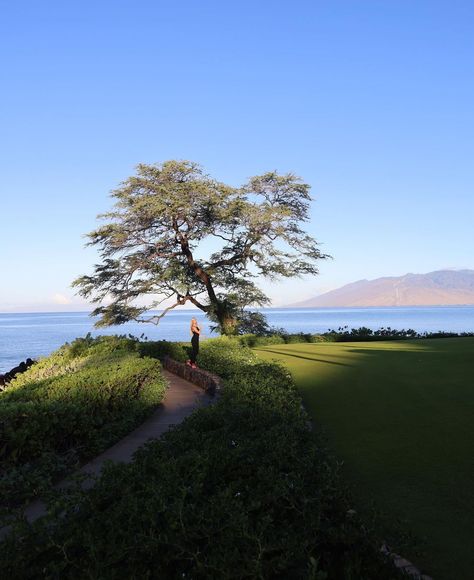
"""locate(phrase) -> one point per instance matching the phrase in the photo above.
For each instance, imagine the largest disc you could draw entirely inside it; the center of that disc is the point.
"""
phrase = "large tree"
(176, 233)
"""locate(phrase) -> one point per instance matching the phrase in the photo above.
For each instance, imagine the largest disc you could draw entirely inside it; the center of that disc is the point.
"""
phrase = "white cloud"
(61, 299)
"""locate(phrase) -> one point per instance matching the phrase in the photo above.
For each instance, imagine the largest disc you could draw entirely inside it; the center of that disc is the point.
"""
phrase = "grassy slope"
(400, 415)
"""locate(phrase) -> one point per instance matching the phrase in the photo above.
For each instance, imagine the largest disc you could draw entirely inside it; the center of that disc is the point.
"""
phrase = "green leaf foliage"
(175, 233)
(241, 489)
(69, 407)
(161, 348)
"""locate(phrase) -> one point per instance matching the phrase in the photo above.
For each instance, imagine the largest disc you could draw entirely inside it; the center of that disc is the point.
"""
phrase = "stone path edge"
(210, 382)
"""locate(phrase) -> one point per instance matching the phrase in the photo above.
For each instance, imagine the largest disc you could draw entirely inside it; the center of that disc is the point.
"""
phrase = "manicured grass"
(401, 417)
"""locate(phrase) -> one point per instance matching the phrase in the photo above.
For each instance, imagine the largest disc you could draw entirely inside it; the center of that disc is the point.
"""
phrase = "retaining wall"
(209, 382)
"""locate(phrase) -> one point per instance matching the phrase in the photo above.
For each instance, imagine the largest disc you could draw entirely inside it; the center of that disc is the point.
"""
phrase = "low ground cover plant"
(69, 407)
(241, 489)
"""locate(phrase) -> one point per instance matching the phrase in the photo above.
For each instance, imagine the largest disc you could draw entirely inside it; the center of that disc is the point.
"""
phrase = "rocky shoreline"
(10, 375)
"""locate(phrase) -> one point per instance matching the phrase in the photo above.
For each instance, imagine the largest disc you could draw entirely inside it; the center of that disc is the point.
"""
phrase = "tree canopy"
(176, 233)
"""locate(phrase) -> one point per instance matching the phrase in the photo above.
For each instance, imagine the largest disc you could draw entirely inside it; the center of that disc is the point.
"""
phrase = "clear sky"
(370, 101)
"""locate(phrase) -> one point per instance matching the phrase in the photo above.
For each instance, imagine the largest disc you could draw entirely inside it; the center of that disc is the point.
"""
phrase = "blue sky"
(370, 101)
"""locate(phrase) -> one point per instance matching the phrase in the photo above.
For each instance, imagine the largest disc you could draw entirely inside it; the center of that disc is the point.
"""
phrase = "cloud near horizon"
(61, 299)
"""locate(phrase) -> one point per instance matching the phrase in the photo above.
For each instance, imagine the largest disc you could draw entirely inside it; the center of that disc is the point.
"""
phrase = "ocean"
(34, 335)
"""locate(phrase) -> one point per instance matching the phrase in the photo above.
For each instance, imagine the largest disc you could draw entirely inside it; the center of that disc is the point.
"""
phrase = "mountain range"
(443, 287)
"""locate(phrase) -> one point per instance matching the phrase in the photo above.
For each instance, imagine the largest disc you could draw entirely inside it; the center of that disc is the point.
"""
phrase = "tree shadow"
(398, 418)
(312, 359)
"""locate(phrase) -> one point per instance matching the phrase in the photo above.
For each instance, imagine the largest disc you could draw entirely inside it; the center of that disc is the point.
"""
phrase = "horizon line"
(11, 312)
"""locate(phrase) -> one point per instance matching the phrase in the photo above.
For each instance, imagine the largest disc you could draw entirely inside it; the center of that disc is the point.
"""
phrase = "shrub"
(241, 489)
(252, 340)
(69, 407)
(225, 356)
(161, 348)
(343, 334)
(363, 333)
(319, 338)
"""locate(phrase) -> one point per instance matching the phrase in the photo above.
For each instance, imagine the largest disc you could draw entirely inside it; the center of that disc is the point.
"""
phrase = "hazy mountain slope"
(435, 288)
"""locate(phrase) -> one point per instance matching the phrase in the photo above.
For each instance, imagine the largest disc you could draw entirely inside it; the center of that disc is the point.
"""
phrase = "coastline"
(37, 334)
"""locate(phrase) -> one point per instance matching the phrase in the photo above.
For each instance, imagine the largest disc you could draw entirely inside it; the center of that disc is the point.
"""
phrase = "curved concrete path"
(180, 400)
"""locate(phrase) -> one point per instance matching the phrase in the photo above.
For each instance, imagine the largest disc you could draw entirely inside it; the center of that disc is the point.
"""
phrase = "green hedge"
(161, 348)
(69, 407)
(253, 340)
(240, 489)
(343, 334)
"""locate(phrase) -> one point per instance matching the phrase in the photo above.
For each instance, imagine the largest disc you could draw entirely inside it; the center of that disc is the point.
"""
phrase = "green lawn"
(401, 417)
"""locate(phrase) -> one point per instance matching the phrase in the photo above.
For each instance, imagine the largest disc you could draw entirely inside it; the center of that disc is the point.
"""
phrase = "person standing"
(195, 332)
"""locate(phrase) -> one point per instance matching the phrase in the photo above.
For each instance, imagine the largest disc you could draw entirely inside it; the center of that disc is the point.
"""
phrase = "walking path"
(181, 399)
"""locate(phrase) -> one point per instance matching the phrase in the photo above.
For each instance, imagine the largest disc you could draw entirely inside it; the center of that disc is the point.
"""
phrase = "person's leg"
(195, 349)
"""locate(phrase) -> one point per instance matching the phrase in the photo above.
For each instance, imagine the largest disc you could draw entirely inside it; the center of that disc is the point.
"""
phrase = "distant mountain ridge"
(443, 287)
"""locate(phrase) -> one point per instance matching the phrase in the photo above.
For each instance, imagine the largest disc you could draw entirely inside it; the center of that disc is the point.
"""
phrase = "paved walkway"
(181, 399)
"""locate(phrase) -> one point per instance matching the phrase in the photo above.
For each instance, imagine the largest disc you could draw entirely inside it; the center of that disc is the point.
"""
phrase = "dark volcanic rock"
(10, 375)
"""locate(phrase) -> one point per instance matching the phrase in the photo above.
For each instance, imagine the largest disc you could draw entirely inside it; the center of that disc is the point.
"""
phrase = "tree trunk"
(225, 318)
(228, 325)
(223, 313)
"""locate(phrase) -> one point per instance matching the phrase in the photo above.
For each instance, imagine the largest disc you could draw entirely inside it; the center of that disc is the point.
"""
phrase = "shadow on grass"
(310, 358)
(398, 415)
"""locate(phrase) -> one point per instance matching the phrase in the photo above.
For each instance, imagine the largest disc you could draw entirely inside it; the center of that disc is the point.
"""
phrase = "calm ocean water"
(33, 335)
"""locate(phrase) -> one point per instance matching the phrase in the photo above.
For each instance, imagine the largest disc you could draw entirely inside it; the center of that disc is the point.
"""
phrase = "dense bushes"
(161, 348)
(253, 340)
(343, 334)
(241, 489)
(69, 407)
